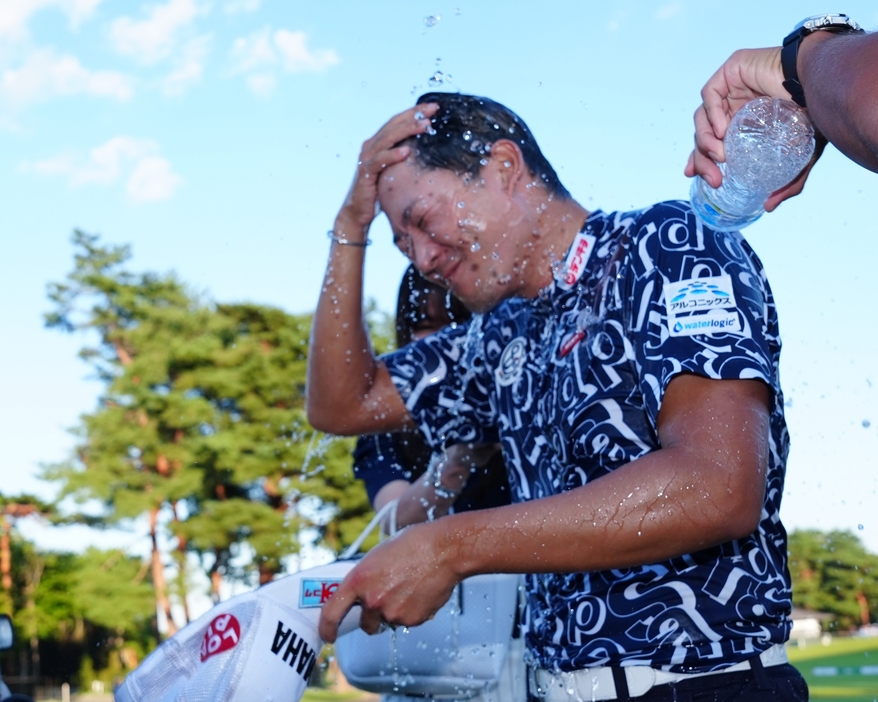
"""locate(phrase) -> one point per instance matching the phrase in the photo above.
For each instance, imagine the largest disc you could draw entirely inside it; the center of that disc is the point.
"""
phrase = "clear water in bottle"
(768, 143)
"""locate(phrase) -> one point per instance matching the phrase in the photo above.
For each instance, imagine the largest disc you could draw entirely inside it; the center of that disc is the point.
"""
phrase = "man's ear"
(507, 162)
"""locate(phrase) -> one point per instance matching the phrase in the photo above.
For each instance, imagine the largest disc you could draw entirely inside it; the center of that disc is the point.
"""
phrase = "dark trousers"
(779, 683)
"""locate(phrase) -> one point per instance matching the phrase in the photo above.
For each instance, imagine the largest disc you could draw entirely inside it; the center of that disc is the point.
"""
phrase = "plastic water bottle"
(768, 143)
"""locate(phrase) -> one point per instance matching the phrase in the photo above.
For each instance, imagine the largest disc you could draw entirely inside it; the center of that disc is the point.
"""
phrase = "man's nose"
(426, 254)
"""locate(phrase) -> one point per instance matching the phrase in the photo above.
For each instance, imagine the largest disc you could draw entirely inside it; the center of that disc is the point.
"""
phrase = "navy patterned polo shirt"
(571, 384)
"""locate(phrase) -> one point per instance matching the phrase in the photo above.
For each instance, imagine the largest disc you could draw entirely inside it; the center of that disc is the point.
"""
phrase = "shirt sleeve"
(445, 385)
(701, 304)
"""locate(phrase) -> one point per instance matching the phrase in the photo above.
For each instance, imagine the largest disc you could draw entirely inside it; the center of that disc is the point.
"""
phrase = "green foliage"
(203, 418)
(71, 607)
(834, 573)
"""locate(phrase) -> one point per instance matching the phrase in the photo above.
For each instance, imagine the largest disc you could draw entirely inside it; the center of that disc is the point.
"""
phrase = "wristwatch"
(789, 54)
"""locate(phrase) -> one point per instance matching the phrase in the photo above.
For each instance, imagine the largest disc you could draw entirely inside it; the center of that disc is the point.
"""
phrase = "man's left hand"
(401, 582)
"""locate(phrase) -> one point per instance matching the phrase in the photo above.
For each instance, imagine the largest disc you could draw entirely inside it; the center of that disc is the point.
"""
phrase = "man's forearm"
(840, 78)
(340, 359)
(658, 507)
(349, 391)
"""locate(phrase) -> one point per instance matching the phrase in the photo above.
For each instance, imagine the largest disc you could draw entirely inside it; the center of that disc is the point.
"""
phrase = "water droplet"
(860, 527)
(475, 247)
(432, 20)
(438, 78)
(461, 204)
(866, 424)
(419, 115)
(467, 135)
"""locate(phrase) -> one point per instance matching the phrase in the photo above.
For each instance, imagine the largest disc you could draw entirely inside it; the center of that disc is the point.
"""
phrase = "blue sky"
(218, 139)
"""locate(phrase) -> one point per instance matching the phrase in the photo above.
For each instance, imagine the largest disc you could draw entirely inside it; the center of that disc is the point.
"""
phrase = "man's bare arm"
(840, 78)
(349, 391)
(705, 486)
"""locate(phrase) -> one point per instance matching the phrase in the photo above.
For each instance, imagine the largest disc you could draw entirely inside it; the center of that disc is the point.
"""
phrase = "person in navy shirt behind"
(426, 485)
(395, 466)
(627, 362)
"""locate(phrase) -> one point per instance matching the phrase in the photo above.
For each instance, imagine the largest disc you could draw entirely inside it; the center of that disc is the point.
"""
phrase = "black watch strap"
(789, 56)
(789, 53)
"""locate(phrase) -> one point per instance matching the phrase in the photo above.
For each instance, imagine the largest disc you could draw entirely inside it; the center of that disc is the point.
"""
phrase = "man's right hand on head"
(361, 204)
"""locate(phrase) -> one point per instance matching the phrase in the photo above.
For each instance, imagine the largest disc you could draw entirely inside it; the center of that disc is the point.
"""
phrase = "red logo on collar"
(577, 257)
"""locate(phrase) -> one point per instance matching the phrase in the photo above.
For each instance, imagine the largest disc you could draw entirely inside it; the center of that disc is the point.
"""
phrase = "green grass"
(848, 655)
(313, 694)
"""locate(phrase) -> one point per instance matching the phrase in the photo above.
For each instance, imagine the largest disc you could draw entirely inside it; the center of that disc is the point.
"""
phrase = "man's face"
(462, 233)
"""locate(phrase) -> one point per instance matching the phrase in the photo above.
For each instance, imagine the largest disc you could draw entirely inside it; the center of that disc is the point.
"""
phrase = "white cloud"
(258, 54)
(253, 51)
(189, 68)
(668, 11)
(233, 7)
(44, 75)
(150, 177)
(153, 179)
(297, 58)
(261, 83)
(14, 14)
(154, 38)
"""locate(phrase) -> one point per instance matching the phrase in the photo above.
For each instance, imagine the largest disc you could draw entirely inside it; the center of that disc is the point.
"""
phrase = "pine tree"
(201, 428)
(833, 572)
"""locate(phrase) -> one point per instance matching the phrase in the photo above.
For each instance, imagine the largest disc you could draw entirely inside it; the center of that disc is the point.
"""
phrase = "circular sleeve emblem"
(512, 361)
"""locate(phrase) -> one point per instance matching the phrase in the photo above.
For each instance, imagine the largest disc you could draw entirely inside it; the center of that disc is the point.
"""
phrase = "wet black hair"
(465, 127)
(413, 306)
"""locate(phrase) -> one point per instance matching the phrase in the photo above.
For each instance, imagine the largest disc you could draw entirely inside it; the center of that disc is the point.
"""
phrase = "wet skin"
(703, 487)
(468, 234)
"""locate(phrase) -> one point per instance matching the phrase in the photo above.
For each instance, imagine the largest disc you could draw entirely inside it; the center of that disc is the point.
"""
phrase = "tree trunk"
(864, 608)
(158, 573)
(216, 579)
(266, 574)
(181, 570)
(5, 555)
(31, 584)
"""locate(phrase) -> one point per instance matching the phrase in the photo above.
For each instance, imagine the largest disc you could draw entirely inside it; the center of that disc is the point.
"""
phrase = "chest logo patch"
(512, 361)
(702, 306)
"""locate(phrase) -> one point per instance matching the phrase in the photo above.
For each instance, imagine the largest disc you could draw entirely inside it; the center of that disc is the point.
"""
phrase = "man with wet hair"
(627, 362)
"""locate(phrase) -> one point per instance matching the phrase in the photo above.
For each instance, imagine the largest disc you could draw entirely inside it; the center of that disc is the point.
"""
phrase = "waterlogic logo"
(577, 257)
(710, 323)
(701, 306)
(316, 592)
